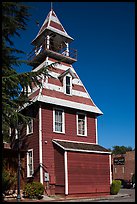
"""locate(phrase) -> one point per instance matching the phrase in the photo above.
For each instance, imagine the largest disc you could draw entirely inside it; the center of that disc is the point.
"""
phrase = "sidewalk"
(62, 199)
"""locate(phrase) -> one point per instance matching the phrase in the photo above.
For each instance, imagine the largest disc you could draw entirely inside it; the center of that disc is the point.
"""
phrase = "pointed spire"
(53, 24)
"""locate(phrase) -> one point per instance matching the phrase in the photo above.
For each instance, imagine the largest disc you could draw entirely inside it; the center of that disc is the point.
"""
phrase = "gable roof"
(66, 72)
(53, 24)
(80, 146)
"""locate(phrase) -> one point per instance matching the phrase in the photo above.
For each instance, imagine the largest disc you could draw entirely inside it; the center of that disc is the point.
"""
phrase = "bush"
(115, 187)
(33, 190)
(8, 181)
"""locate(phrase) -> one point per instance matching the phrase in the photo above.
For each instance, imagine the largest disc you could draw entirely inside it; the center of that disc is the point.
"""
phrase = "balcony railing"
(53, 50)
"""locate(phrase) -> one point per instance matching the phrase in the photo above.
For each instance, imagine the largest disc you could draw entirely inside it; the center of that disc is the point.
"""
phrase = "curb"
(67, 200)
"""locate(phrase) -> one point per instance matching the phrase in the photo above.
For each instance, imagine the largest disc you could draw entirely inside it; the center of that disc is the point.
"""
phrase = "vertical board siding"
(59, 170)
(88, 173)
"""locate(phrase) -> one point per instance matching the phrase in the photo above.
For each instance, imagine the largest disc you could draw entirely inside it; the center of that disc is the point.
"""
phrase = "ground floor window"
(30, 163)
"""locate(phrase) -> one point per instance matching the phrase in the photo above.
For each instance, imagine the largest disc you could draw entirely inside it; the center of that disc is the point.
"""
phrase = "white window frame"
(63, 120)
(28, 168)
(28, 132)
(85, 130)
(64, 82)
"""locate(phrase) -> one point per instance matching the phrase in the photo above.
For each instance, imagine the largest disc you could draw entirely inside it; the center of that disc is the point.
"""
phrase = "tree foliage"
(14, 19)
(120, 149)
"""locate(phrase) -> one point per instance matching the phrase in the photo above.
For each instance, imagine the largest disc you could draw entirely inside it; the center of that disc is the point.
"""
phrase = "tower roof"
(53, 24)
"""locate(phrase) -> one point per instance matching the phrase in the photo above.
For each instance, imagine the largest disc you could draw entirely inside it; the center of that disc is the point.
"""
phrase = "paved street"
(130, 198)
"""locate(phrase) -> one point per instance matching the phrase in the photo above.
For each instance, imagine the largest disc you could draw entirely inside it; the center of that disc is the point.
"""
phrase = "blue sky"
(104, 36)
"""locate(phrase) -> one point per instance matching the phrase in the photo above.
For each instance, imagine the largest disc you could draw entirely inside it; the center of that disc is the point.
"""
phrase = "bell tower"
(52, 41)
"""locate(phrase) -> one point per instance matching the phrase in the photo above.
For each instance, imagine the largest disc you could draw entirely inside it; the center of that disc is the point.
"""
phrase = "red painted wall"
(59, 170)
(88, 173)
(70, 134)
(32, 142)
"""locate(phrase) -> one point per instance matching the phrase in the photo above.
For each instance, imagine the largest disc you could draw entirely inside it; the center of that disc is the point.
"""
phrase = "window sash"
(30, 127)
(81, 124)
(59, 122)
(30, 163)
(68, 86)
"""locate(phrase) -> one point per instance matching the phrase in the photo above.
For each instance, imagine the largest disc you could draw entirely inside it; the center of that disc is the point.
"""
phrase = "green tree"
(14, 19)
(121, 149)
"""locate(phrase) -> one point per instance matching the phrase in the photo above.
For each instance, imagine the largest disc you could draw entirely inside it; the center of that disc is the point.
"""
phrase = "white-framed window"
(58, 121)
(30, 168)
(30, 126)
(81, 124)
(68, 84)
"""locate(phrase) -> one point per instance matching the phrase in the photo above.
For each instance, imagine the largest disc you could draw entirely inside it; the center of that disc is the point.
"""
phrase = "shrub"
(115, 187)
(33, 190)
(8, 181)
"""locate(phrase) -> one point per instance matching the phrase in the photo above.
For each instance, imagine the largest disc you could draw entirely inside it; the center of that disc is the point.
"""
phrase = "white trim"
(62, 66)
(85, 130)
(80, 93)
(75, 81)
(28, 173)
(66, 172)
(96, 131)
(40, 144)
(63, 120)
(67, 103)
(59, 32)
(33, 90)
(75, 141)
(110, 168)
(63, 89)
(79, 150)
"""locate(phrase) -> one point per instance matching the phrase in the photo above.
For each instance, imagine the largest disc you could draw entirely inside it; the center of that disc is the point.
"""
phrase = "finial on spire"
(51, 5)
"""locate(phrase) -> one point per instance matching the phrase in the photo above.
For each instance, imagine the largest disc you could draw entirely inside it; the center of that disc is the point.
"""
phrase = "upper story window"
(68, 85)
(67, 77)
(81, 124)
(30, 126)
(30, 169)
(58, 121)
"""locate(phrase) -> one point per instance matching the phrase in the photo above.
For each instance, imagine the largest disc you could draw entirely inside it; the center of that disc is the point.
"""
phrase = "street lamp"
(17, 133)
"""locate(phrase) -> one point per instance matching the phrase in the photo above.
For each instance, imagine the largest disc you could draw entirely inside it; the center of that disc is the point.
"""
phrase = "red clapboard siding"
(88, 173)
(70, 126)
(59, 170)
(33, 143)
(70, 134)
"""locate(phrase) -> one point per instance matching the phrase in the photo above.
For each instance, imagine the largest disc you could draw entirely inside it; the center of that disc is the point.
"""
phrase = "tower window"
(68, 85)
